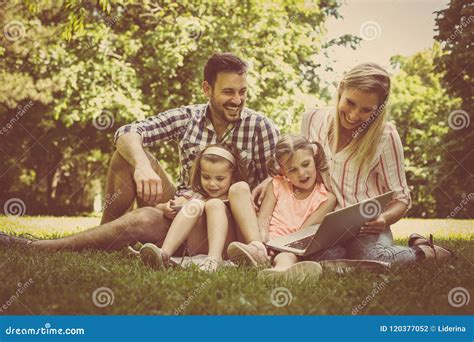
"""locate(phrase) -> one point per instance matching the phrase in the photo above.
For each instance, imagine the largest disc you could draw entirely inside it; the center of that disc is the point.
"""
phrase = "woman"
(365, 157)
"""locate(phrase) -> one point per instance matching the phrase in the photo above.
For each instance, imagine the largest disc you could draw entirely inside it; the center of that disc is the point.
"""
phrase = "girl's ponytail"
(273, 168)
(320, 161)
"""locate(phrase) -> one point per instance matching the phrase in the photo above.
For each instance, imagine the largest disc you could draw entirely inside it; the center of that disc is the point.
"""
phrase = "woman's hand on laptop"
(376, 226)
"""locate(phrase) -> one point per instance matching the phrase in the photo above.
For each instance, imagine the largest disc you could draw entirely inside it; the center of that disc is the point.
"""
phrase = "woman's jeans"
(379, 247)
(369, 247)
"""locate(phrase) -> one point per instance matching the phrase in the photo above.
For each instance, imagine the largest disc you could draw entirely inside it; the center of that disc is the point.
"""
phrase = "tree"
(124, 61)
(419, 106)
(455, 32)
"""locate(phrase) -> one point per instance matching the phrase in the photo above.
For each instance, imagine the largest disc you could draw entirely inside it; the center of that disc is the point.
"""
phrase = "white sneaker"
(210, 265)
(299, 272)
(252, 254)
(154, 256)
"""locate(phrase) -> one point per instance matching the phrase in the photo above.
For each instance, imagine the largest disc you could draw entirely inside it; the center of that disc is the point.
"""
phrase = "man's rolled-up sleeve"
(169, 125)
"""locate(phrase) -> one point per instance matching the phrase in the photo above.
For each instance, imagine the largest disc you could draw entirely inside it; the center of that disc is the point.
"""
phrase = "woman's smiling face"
(356, 106)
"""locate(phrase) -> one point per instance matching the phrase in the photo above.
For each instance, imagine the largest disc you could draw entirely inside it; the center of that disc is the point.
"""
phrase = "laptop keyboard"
(301, 244)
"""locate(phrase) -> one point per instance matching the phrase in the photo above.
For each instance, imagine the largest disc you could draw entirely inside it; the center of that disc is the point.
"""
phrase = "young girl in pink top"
(296, 198)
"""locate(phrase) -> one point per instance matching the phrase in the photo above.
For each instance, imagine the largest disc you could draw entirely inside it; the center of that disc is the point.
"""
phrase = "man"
(135, 174)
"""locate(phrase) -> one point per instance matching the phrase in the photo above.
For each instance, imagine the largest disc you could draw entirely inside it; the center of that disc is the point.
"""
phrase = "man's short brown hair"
(223, 62)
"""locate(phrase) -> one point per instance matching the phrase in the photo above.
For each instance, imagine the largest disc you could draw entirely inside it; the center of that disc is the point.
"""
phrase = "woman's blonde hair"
(287, 146)
(370, 78)
(239, 171)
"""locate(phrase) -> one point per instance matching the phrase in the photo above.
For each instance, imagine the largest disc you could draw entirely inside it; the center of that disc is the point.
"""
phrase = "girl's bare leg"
(243, 211)
(217, 227)
(182, 226)
(199, 241)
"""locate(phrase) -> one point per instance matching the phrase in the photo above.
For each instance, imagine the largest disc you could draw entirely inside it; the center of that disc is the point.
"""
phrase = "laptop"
(336, 227)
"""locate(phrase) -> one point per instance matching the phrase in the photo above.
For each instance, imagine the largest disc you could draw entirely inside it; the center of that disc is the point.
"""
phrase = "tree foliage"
(89, 68)
(420, 106)
(455, 26)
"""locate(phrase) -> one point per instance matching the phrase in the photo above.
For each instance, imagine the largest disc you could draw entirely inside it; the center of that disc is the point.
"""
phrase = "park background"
(72, 72)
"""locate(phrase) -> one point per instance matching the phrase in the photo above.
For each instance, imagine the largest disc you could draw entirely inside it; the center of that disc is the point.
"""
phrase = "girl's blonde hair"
(370, 78)
(239, 170)
(287, 146)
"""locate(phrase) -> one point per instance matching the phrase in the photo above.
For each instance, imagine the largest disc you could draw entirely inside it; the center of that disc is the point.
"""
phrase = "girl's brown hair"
(287, 146)
(239, 170)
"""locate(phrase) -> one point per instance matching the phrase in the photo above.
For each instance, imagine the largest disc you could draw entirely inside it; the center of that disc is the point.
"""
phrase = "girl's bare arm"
(323, 209)
(265, 212)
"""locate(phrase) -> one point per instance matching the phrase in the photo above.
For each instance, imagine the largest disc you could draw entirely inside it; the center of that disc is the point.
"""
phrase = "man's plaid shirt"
(254, 134)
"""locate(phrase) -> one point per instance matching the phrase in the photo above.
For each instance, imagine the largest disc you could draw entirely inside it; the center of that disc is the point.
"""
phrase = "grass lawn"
(39, 283)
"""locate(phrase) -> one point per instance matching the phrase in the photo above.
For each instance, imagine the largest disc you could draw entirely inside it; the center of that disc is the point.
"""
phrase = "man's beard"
(219, 111)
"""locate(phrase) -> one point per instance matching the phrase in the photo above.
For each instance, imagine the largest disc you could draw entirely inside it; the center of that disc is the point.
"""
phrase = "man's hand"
(168, 211)
(149, 186)
(258, 194)
(376, 226)
(181, 200)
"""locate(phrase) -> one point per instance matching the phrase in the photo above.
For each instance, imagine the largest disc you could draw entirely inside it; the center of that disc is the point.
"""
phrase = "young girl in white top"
(216, 169)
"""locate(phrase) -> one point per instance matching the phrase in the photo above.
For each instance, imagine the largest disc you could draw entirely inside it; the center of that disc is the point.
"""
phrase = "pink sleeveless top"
(290, 213)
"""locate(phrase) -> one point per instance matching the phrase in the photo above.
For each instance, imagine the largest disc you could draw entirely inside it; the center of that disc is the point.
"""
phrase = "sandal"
(417, 240)
(414, 237)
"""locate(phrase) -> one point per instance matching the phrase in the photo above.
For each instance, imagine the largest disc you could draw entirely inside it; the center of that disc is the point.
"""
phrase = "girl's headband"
(219, 151)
